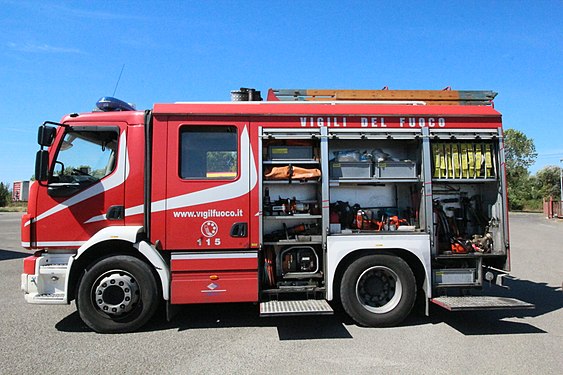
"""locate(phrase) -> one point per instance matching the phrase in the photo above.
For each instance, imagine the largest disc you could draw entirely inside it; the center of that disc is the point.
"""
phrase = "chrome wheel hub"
(116, 293)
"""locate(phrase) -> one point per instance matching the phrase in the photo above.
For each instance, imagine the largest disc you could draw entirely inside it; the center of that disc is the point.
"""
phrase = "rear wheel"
(378, 290)
(117, 294)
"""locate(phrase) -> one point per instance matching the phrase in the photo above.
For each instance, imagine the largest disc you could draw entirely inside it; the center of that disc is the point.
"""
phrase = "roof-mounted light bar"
(110, 104)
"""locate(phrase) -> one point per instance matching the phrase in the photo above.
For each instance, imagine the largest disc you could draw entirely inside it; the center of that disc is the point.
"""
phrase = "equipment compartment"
(291, 214)
(378, 192)
(468, 219)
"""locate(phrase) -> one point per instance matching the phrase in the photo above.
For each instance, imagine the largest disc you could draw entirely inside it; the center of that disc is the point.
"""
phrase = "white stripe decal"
(116, 179)
(60, 243)
(96, 218)
(197, 256)
(228, 191)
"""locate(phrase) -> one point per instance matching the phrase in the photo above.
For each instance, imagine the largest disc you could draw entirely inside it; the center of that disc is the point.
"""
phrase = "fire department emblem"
(209, 228)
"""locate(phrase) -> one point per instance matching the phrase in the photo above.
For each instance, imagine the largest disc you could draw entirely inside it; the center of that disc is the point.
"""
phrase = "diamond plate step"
(468, 303)
(297, 307)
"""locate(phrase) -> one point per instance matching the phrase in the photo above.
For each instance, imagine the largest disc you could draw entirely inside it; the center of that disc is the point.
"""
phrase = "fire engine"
(375, 200)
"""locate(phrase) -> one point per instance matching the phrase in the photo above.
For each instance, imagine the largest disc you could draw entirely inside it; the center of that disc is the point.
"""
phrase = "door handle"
(239, 230)
(116, 213)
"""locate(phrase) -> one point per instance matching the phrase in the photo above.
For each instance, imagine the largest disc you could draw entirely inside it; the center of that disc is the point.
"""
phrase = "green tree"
(548, 181)
(5, 194)
(520, 150)
(520, 154)
(521, 188)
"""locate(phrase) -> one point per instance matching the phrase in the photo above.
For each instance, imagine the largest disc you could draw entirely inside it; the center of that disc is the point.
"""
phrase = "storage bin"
(351, 170)
(395, 169)
(290, 152)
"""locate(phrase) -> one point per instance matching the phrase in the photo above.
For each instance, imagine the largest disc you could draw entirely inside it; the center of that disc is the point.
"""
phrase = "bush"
(534, 205)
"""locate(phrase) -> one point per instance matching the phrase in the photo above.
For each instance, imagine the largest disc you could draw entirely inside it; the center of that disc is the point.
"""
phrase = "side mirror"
(41, 165)
(46, 135)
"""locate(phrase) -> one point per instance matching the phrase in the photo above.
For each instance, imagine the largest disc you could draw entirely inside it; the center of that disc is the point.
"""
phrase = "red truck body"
(203, 231)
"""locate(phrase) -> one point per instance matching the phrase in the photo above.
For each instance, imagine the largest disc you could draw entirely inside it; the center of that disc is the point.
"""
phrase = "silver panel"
(427, 218)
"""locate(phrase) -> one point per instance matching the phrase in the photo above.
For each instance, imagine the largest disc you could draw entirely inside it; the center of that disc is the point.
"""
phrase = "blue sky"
(58, 57)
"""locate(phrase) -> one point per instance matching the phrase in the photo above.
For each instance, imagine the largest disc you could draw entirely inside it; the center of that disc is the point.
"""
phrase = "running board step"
(46, 299)
(469, 303)
(296, 307)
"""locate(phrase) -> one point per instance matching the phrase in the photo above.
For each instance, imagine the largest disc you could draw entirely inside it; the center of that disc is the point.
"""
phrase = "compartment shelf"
(292, 182)
(286, 162)
(370, 181)
(293, 217)
(379, 233)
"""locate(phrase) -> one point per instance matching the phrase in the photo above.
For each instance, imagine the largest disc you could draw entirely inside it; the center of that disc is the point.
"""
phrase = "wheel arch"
(102, 246)
(410, 258)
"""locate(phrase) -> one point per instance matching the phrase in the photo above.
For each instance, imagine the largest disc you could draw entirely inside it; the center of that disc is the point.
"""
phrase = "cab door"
(85, 190)
(210, 171)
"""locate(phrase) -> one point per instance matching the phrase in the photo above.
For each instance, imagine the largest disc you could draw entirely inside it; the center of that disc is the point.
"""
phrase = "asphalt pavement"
(232, 339)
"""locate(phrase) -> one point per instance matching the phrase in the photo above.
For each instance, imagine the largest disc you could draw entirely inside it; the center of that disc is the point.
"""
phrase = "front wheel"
(378, 290)
(117, 294)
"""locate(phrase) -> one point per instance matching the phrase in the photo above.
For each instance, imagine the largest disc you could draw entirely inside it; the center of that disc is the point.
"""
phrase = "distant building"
(20, 191)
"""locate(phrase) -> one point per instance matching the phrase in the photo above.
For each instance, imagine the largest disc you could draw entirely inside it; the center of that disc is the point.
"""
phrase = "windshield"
(86, 156)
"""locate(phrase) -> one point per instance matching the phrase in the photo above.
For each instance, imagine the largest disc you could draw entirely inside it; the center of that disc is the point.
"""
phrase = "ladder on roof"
(430, 97)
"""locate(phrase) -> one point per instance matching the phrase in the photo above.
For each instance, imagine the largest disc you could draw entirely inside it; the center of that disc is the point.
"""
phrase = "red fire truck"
(372, 199)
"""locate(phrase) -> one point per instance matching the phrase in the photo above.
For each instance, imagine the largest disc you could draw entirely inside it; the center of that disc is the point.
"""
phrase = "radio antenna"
(117, 83)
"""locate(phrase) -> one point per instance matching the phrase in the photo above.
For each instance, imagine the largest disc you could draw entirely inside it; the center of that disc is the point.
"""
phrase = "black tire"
(117, 294)
(378, 290)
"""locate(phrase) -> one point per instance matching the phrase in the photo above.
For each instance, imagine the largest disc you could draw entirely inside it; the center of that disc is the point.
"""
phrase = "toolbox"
(290, 152)
(345, 170)
(395, 169)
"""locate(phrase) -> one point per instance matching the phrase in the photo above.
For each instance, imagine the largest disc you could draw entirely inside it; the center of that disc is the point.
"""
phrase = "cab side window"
(208, 153)
(86, 156)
